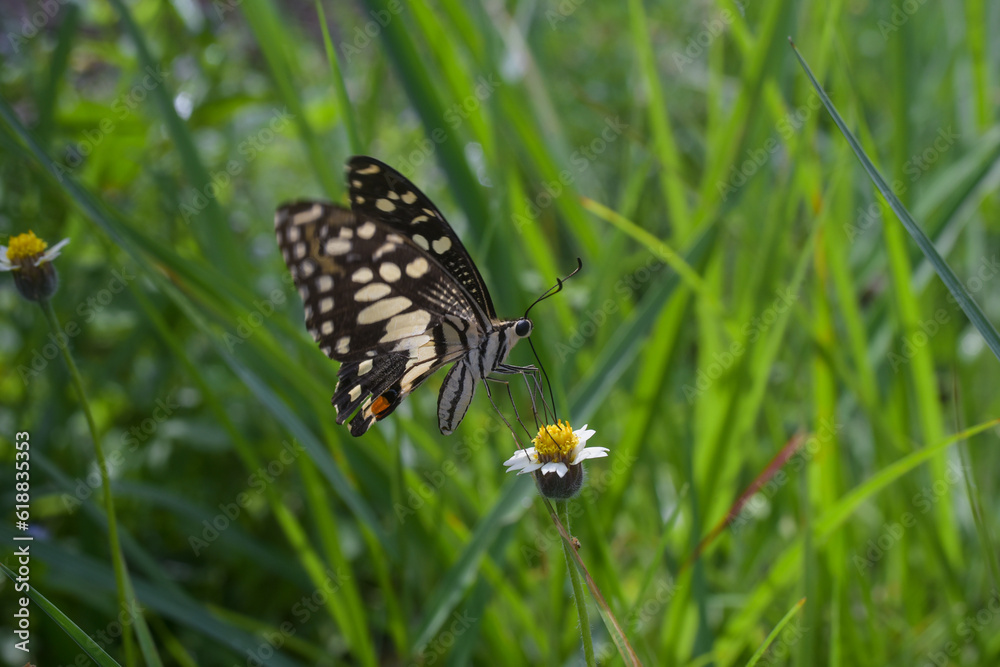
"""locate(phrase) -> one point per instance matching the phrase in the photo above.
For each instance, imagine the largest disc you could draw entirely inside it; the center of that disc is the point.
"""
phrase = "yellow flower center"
(23, 246)
(555, 442)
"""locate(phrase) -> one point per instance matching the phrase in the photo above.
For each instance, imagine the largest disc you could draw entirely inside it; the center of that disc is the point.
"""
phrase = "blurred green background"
(744, 292)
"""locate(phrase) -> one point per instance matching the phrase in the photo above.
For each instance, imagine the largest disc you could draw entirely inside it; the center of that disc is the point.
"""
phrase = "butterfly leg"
(510, 395)
(524, 372)
(533, 383)
(496, 408)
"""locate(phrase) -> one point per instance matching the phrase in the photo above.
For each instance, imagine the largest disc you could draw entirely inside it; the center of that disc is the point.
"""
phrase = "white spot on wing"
(310, 215)
(406, 326)
(414, 373)
(365, 366)
(362, 275)
(412, 344)
(355, 393)
(417, 267)
(367, 230)
(384, 248)
(409, 197)
(424, 353)
(383, 310)
(370, 169)
(421, 241)
(442, 245)
(372, 292)
(326, 328)
(389, 272)
(337, 246)
(343, 345)
(385, 205)
(324, 283)
(326, 305)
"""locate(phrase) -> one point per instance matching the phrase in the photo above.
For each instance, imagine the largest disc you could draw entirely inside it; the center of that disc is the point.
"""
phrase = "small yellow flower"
(28, 258)
(554, 442)
(559, 449)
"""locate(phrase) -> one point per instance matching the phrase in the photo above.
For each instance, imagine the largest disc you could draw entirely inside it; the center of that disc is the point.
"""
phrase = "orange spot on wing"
(379, 406)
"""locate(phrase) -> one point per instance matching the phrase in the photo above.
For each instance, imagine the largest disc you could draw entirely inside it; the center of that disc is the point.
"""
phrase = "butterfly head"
(523, 327)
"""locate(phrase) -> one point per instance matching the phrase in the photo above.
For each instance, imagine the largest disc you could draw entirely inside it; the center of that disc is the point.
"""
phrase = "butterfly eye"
(523, 328)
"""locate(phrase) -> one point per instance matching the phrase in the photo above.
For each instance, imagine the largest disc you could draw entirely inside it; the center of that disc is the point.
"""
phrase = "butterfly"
(390, 292)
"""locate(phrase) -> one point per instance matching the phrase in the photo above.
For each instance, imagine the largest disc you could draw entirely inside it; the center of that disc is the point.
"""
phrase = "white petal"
(520, 457)
(583, 435)
(51, 253)
(591, 453)
(557, 467)
(531, 467)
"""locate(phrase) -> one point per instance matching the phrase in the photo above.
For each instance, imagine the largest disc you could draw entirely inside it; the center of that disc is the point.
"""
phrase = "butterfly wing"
(376, 302)
(378, 191)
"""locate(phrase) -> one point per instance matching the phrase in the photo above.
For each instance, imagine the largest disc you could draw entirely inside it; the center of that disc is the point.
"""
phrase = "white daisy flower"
(25, 248)
(557, 449)
(28, 257)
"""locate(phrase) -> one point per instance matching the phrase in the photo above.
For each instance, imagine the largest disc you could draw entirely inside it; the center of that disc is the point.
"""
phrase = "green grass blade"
(57, 70)
(951, 281)
(755, 658)
(274, 41)
(340, 90)
(836, 515)
(627, 341)
(672, 185)
(82, 639)
(397, 39)
(462, 574)
(84, 575)
(214, 237)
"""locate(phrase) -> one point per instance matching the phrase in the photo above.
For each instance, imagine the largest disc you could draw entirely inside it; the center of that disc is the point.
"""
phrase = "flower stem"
(574, 576)
(117, 560)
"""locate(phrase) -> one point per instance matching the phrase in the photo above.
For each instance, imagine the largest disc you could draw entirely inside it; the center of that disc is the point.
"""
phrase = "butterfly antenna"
(555, 289)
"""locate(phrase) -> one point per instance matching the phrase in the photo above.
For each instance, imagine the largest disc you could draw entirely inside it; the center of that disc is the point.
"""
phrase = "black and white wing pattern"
(390, 292)
(380, 192)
